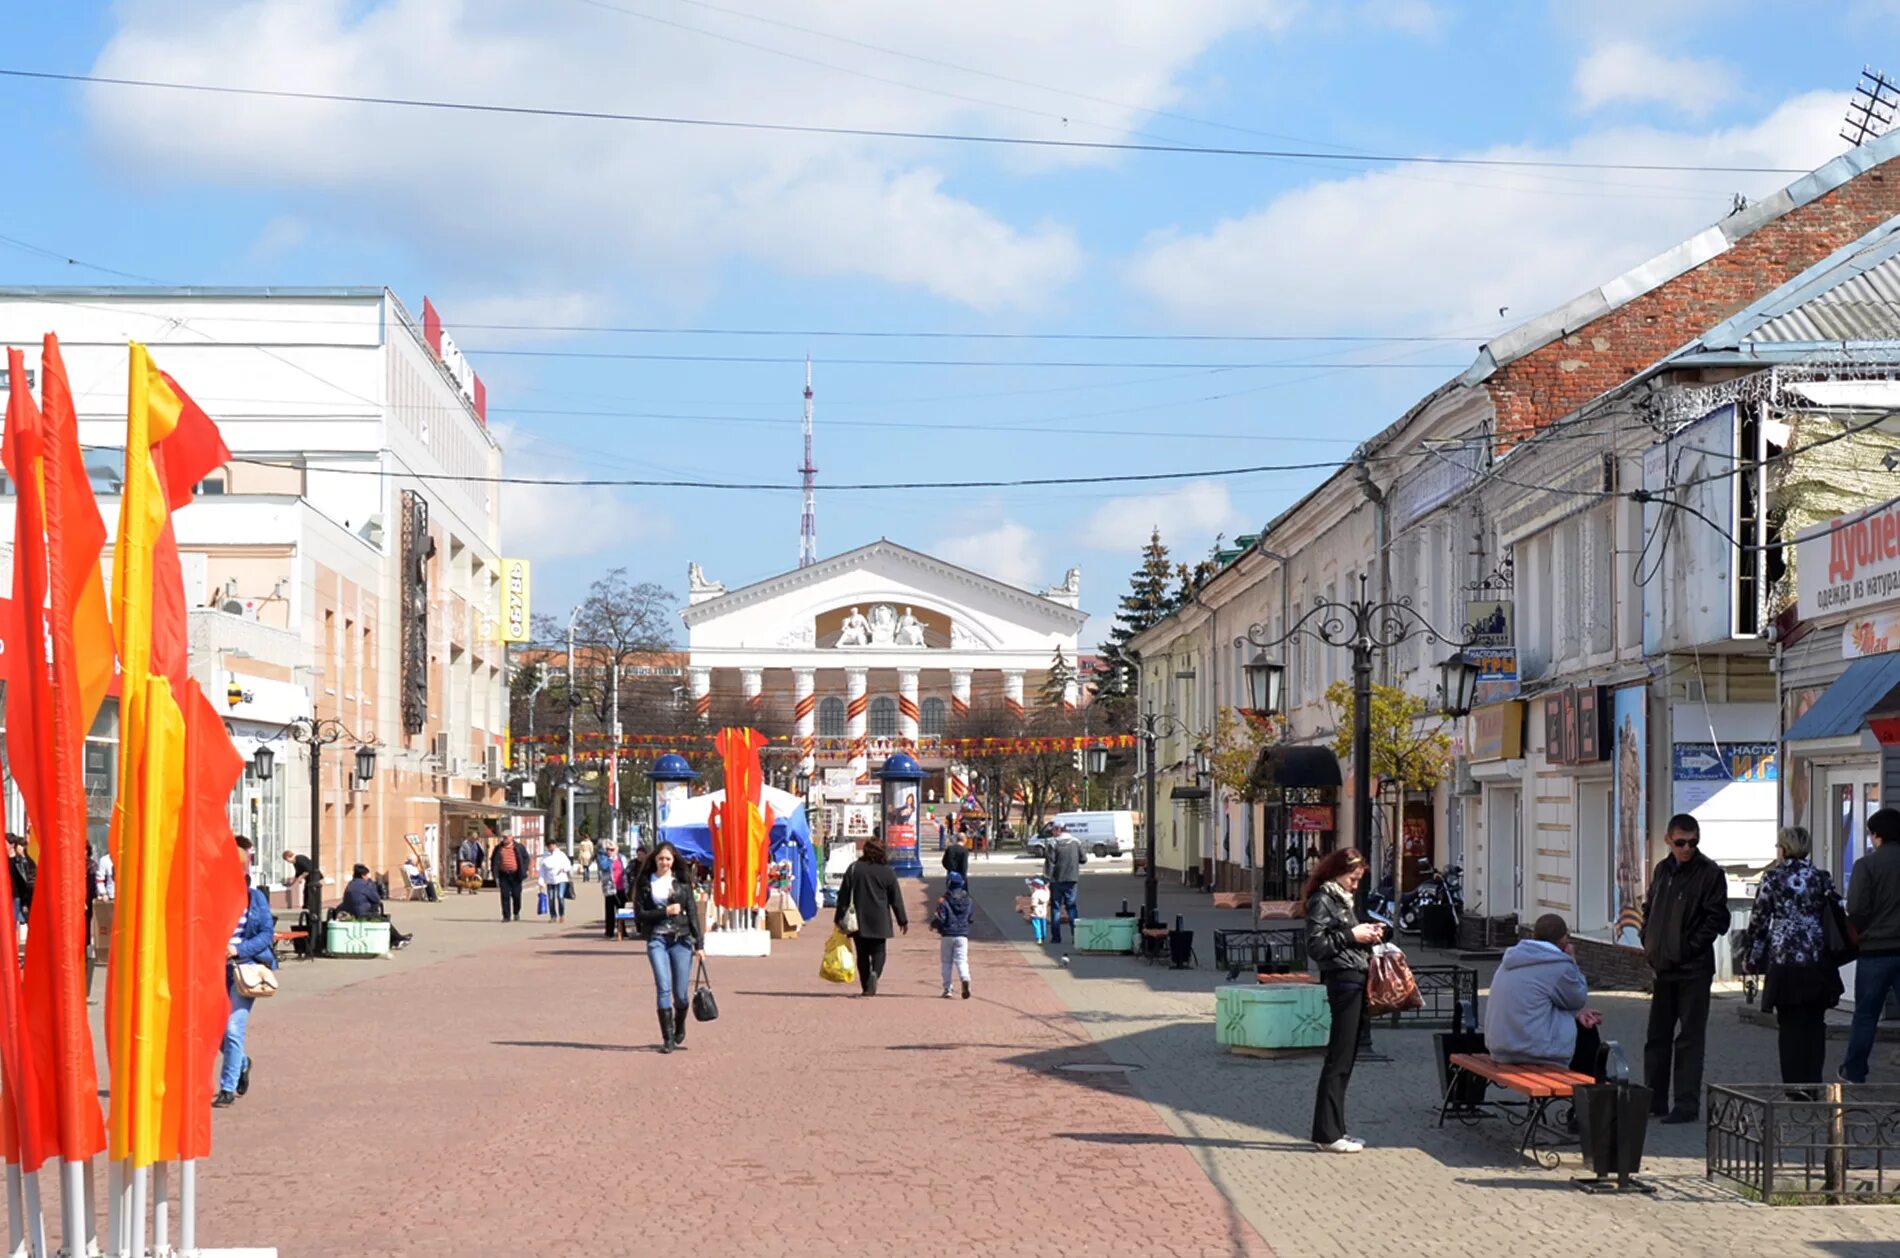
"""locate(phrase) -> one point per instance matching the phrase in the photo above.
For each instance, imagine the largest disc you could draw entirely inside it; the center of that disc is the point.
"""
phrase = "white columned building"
(874, 651)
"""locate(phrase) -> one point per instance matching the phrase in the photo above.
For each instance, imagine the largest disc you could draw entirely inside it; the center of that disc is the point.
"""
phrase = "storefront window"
(257, 812)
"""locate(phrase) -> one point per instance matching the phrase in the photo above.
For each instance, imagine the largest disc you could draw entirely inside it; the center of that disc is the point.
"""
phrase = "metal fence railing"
(1811, 1145)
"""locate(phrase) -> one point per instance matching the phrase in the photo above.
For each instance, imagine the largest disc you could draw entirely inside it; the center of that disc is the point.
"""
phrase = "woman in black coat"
(870, 888)
(1342, 945)
(667, 913)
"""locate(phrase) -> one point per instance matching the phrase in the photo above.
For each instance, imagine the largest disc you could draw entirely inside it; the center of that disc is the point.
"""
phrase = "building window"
(930, 723)
(831, 718)
(883, 717)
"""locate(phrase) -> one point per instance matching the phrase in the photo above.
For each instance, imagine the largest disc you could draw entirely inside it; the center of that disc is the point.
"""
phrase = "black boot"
(666, 1030)
(679, 1026)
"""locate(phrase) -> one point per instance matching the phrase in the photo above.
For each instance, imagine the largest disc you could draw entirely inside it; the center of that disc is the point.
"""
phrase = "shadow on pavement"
(592, 1048)
(585, 952)
(1188, 1142)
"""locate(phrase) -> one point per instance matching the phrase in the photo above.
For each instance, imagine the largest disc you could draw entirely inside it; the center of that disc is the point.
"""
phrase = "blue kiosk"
(902, 779)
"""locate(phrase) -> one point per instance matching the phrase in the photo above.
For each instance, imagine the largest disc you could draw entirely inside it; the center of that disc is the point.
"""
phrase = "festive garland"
(597, 745)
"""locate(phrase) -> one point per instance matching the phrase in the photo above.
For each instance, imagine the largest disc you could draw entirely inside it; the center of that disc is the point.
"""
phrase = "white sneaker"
(1341, 1145)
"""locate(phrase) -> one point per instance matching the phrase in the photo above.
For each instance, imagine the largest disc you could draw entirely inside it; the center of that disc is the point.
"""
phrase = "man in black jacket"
(1685, 912)
(510, 864)
(956, 857)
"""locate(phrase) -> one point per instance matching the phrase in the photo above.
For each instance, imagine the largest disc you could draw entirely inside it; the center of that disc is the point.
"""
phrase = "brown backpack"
(506, 860)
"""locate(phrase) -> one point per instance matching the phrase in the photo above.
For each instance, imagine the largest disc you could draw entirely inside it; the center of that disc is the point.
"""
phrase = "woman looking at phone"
(1342, 944)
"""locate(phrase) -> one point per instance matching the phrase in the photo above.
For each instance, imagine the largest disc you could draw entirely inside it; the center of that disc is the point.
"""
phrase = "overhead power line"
(493, 352)
(880, 133)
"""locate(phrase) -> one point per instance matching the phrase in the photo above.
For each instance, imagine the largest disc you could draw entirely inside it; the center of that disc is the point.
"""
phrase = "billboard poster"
(900, 821)
(1631, 739)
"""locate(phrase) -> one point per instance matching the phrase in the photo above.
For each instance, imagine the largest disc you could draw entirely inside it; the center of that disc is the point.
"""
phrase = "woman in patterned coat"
(1785, 943)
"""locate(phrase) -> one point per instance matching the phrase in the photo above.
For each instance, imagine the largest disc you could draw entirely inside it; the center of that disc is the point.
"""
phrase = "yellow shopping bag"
(840, 964)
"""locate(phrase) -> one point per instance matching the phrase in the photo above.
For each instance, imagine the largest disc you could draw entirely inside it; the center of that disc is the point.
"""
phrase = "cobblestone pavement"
(1417, 1190)
(505, 1097)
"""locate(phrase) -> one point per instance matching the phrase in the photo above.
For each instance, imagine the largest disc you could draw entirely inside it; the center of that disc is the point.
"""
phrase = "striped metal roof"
(1852, 297)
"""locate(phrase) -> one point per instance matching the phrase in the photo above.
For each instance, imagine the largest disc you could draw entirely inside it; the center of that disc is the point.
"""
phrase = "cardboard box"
(783, 923)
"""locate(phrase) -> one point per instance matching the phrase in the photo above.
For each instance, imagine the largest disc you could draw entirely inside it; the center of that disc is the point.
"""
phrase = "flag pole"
(92, 1208)
(35, 1221)
(161, 1208)
(188, 1208)
(16, 1210)
(115, 1206)
(72, 1203)
(135, 1217)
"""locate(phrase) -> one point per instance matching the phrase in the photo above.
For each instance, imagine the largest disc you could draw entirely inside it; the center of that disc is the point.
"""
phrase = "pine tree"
(1055, 682)
(1151, 596)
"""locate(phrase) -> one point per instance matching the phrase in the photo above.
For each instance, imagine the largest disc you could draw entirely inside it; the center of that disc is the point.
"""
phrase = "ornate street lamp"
(1265, 681)
(316, 733)
(1458, 680)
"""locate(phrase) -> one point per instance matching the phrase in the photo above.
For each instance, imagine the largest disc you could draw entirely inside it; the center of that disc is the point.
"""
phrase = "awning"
(1297, 766)
(1843, 706)
(476, 808)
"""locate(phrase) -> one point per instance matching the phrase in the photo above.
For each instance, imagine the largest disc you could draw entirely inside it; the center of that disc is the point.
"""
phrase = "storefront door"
(1503, 855)
(1852, 795)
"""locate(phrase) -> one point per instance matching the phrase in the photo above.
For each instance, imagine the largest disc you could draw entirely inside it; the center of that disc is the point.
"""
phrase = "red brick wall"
(1551, 382)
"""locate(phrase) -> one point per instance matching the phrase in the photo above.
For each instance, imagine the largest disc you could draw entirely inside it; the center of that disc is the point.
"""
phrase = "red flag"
(28, 1108)
(209, 892)
(78, 651)
(188, 452)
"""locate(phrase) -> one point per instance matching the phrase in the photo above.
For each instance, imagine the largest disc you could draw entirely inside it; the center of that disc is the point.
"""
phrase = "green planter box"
(1277, 1015)
(1104, 934)
(357, 939)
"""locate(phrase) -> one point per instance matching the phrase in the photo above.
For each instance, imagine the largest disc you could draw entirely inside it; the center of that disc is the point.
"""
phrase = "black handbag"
(1840, 943)
(705, 1008)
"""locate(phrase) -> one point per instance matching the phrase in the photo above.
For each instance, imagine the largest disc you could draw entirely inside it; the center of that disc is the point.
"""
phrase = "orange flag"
(77, 646)
(743, 827)
(22, 1097)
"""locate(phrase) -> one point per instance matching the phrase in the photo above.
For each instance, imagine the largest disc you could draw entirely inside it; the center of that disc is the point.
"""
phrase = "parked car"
(1102, 833)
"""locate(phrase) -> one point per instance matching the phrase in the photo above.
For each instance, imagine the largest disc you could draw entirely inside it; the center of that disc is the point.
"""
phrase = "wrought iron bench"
(1540, 1086)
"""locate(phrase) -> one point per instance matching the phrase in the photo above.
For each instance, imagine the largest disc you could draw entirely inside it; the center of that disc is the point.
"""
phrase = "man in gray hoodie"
(1062, 866)
(1538, 1010)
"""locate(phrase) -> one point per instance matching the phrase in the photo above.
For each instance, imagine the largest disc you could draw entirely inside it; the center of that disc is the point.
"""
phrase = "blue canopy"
(687, 828)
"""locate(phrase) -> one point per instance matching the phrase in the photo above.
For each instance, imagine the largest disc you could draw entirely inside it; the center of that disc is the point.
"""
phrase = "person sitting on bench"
(363, 901)
(1538, 1011)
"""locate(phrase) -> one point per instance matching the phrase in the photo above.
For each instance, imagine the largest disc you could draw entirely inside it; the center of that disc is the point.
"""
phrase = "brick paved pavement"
(505, 1098)
(1419, 1190)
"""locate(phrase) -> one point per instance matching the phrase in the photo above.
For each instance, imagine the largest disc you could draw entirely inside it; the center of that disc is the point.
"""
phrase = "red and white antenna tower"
(808, 522)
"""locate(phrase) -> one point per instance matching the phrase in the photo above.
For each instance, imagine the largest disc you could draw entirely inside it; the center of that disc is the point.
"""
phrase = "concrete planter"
(1104, 934)
(1277, 1016)
(357, 939)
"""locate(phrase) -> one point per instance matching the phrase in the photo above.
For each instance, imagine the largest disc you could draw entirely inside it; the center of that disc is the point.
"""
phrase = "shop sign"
(1310, 818)
(516, 617)
(1872, 633)
(1850, 562)
(1489, 624)
(1497, 673)
(1497, 732)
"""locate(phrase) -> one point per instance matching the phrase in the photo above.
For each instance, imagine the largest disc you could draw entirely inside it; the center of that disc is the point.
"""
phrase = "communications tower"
(808, 521)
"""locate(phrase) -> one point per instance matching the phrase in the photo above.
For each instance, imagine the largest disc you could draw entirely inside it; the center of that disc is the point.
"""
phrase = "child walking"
(952, 921)
(1039, 908)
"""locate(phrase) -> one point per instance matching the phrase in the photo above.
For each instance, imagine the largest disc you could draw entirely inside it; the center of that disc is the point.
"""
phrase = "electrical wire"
(617, 356)
(597, 115)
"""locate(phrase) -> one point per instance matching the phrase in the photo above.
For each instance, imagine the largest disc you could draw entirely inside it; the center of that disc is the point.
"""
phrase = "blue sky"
(506, 220)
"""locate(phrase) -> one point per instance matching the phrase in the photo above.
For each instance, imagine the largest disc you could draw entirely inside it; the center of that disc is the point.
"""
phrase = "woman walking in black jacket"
(1342, 945)
(667, 914)
(870, 891)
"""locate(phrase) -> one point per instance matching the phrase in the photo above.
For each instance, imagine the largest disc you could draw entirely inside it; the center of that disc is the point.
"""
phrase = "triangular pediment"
(949, 582)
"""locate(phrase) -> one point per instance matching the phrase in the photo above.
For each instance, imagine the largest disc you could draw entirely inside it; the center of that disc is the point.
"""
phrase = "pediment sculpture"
(856, 630)
(696, 582)
(883, 625)
(910, 630)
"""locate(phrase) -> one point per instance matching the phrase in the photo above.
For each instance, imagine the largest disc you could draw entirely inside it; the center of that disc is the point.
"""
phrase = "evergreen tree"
(1055, 682)
(1151, 596)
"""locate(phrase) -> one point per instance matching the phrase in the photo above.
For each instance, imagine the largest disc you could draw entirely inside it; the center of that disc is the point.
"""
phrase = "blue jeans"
(1874, 977)
(235, 1027)
(1062, 893)
(672, 961)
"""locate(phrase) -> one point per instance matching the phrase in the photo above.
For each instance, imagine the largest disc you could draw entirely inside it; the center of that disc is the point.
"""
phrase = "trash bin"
(1612, 1122)
(1469, 1093)
(1180, 948)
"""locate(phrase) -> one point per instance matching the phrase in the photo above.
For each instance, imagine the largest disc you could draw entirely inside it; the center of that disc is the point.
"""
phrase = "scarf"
(1338, 893)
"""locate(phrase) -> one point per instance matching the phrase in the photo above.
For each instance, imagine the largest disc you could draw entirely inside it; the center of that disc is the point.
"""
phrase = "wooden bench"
(1233, 899)
(1541, 1086)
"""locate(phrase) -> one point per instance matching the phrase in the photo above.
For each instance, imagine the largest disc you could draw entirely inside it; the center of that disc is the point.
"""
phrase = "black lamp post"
(316, 733)
(1150, 728)
(1365, 628)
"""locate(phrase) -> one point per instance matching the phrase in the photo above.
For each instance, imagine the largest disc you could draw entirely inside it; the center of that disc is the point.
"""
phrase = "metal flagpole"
(16, 1210)
(161, 1208)
(72, 1202)
(135, 1217)
(188, 1207)
(35, 1220)
(92, 1206)
(116, 1189)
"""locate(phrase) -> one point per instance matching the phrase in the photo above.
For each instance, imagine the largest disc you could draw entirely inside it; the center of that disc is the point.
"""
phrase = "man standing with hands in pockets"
(1685, 912)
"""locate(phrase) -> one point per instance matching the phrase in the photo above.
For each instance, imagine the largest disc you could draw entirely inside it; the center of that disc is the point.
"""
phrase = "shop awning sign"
(1850, 562)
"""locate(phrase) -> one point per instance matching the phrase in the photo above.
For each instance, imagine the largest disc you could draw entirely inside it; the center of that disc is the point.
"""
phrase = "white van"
(1101, 833)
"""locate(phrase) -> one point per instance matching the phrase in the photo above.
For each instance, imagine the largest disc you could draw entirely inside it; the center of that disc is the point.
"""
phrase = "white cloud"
(560, 205)
(1443, 250)
(281, 235)
(1414, 17)
(1188, 518)
(1009, 552)
(1628, 72)
(552, 521)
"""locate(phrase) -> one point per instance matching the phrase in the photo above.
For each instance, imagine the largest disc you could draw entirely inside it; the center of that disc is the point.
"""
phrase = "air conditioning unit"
(493, 764)
(373, 529)
(442, 753)
(245, 608)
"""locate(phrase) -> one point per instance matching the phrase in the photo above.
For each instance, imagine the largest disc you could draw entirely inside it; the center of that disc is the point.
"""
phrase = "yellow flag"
(151, 789)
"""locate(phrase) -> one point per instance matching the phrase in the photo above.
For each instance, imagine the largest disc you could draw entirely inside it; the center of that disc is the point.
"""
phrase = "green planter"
(1278, 1015)
(357, 939)
(1104, 934)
